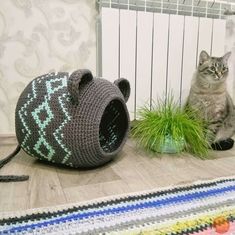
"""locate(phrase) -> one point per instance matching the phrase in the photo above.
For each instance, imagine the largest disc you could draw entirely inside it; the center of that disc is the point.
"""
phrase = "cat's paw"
(223, 145)
(224, 133)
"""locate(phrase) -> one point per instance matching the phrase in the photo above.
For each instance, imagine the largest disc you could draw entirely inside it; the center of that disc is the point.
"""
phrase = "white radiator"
(156, 52)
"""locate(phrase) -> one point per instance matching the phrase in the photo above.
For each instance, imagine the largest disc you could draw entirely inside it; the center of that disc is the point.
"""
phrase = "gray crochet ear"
(75, 80)
(124, 86)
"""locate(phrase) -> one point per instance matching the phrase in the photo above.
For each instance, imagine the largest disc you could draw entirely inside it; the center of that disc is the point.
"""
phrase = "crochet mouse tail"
(11, 178)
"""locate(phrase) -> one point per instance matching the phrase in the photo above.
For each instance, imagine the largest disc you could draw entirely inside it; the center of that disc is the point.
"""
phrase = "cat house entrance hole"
(113, 126)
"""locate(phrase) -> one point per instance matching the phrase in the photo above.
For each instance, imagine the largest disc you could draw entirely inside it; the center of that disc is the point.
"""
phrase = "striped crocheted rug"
(206, 207)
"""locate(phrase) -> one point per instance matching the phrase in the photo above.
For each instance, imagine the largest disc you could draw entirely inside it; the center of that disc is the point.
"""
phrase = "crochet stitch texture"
(75, 120)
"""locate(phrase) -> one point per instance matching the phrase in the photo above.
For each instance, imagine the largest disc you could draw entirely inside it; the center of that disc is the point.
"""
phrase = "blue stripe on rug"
(188, 197)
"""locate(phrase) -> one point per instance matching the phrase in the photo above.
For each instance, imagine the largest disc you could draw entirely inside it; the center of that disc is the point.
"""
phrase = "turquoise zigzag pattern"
(53, 84)
(42, 125)
(45, 105)
(23, 111)
(57, 133)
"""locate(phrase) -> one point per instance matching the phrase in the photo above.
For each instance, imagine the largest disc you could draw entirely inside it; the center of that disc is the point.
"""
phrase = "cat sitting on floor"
(209, 96)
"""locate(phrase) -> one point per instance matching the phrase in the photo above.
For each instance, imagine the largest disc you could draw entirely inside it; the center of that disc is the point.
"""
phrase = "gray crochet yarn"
(11, 178)
(75, 120)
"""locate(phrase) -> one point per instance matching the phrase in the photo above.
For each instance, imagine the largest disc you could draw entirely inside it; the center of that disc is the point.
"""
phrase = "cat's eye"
(212, 68)
(224, 69)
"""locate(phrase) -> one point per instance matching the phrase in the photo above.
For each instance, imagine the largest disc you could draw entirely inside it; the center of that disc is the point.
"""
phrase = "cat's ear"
(203, 57)
(226, 57)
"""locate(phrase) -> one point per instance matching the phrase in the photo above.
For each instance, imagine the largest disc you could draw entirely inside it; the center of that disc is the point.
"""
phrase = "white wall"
(230, 46)
(40, 36)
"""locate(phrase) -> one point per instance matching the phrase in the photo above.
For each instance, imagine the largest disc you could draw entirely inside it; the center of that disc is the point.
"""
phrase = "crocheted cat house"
(75, 120)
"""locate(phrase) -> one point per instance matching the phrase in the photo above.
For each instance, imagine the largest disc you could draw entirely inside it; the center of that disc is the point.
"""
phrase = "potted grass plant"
(168, 128)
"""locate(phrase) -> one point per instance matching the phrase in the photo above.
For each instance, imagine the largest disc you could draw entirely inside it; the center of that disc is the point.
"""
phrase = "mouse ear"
(124, 86)
(76, 79)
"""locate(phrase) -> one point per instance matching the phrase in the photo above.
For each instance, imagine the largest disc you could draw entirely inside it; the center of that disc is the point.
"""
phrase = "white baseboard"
(6, 135)
(7, 138)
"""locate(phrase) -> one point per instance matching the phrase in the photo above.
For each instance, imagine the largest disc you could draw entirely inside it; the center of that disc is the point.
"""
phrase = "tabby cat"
(209, 95)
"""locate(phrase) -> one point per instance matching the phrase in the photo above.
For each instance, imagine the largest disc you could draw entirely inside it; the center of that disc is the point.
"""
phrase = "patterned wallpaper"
(40, 36)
